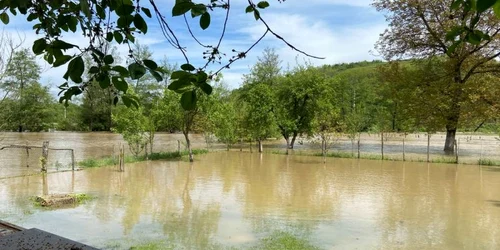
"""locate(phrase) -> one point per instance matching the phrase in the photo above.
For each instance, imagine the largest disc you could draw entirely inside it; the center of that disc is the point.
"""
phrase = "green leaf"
(121, 70)
(104, 81)
(454, 32)
(120, 84)
(179, 73)
(206, 88)
(146, 11)
(4, 17)
(76, 68)
(473, 38)
(205, 20)
(202, 76)
(187, 67)
(256, 14)
(61, 60)
(129, 102)
(188, 100)
(125, 9)
(93, 70)
(179, 85)
(249, 9)
(198, 9)
(118, 37)
(60, 44)
(496, 8)
(181, 7)
(72, 23)
(84, 6)
(483, 5)
(109, 36)
(150, 64)
(125, 21)
(39, 46)
(136, 70)
(156, 75)
(263, 4)
(108, 59)
(140, 24)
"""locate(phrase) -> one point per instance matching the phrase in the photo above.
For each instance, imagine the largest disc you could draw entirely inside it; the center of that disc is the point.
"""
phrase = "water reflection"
(235, 199)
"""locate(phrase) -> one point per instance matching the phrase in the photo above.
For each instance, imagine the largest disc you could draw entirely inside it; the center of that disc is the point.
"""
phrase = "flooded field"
(235, 199)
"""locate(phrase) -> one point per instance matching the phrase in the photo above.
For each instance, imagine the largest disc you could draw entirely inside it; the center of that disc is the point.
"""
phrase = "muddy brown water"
(236, 198)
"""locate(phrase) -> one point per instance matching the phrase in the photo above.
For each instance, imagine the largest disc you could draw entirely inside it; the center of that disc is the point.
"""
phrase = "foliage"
(121, 21)
(134, 126)
(424, 29)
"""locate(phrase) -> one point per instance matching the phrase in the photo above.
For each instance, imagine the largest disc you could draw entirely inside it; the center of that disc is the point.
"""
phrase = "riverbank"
(113, 160)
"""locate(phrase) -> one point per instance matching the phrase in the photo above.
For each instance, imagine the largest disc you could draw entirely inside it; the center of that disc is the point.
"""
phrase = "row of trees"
(316, 102)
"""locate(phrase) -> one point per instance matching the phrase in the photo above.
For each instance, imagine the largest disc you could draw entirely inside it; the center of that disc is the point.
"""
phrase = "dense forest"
(309, 101)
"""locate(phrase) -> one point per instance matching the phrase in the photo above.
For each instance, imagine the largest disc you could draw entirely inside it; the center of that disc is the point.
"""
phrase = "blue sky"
(340, 30)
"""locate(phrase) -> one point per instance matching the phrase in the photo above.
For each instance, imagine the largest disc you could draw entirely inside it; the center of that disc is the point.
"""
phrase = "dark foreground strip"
(36, 239)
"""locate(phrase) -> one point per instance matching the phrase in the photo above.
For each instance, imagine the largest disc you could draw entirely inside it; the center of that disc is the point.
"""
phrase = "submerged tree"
(428, 28)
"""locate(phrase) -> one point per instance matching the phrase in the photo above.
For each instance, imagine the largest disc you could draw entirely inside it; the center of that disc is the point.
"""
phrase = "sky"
(341, 31)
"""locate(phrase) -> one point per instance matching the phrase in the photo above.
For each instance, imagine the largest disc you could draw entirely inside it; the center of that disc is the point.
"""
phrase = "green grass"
(285, 240)
(278, 240)
(488, 162)
(110, 161)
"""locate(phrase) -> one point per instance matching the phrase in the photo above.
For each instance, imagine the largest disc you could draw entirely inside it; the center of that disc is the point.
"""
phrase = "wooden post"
(481, 153)
(45, 155)
(382, 147)
(73, 160)
(146, 151)
(241, 145)
(178, 146)
(251, 146)
(404, 157)
(456, 151)
(428, 146)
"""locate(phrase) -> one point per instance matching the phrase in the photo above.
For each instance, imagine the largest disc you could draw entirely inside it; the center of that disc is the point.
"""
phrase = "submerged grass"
(278, 240)
(110, 161)
(73, 199)
(348, 155)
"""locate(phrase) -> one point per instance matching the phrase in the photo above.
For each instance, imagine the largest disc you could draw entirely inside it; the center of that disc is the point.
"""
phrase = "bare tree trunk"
(382, 147)
(450, 140)
(359, 146)
(287, 144)
(293, 140)
(404, 153)
(260, 146)
(188, 144)
(428, 146)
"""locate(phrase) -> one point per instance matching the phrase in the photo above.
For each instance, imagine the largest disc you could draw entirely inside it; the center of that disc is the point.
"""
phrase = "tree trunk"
(287, 144)
(293, 140)
(260, 146)
(450, 139)
(188, 144)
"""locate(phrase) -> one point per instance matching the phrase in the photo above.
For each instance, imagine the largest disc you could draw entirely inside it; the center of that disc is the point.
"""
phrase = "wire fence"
(470, 148)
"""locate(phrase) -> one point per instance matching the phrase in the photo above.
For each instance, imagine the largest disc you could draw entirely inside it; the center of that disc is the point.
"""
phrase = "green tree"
(22, 72)
(296, 96)
(133, 126)
(424, 29)
(259, 119)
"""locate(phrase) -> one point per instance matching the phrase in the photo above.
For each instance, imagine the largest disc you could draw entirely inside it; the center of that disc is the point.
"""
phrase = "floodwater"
(234, 199)
(16, 162)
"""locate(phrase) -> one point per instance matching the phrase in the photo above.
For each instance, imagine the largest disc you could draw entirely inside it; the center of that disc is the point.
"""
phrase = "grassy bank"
(348, 155)
(110, 161)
